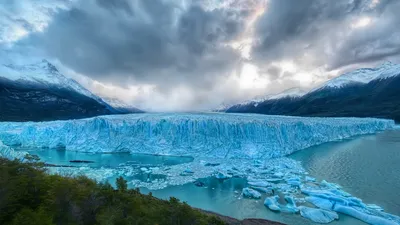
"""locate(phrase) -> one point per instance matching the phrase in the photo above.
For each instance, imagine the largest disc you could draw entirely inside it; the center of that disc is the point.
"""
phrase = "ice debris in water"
(329, 197)
(273, 204)
(310, 179)
(199, 135)
(318, 215)
(250, 193)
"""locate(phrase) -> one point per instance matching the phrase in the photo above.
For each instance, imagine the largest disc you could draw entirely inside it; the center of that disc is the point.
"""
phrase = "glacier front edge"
(219, 135)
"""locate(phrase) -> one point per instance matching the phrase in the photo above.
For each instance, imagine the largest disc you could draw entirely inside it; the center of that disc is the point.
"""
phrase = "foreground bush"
(28, 195)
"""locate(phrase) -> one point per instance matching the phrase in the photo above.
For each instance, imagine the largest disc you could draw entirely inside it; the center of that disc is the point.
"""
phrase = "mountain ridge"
(374, 93)
(39, 92)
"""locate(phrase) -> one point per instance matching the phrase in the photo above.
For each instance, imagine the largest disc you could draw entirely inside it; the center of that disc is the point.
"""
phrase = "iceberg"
(250, 193)
(248, 136)
(273, 204)
(259, 183)
(333, 199)
(318, 215)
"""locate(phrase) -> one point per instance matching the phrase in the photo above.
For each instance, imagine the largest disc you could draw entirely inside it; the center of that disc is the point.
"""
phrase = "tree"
(122, 184)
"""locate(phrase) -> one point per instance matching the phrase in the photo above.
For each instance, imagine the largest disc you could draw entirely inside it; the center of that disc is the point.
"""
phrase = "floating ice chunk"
(339, 201)
(310, 179)
(371, 219)
(189, 171)
(274, 180)
(291, 204)
(374, 207)
(295, 181)
(259, 183)
(267, 190)
(144, 170)
(320, 202)
(222, 175)
(273, 204)
(278, 175)
(318, 215)
(250, 193)
(330, 185)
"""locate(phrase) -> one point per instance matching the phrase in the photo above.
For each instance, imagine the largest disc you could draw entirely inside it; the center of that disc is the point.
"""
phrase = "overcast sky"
(183, 55)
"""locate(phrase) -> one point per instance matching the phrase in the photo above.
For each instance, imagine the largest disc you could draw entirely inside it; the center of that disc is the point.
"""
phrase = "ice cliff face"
(212, 135)
(9, 153)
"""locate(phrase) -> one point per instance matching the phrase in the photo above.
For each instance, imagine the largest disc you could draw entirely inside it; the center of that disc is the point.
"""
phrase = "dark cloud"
(377, 42)
(321, 29)
(149, 41)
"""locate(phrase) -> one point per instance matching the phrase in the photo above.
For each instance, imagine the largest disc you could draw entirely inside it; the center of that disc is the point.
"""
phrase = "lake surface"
(63, 157)
(367, 167)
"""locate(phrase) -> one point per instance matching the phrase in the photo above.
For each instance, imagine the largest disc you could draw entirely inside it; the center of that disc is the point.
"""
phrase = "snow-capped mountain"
(368, 92)
(364, 75)
(41, 73)
(121, 106)
(289, 93)
(39, 91)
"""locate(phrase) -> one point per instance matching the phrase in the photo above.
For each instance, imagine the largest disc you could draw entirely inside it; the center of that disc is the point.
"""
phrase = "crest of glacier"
(218, 135)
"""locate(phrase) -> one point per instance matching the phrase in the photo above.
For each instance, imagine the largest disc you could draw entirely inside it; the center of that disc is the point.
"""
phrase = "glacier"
(248, 136)
(9, 153)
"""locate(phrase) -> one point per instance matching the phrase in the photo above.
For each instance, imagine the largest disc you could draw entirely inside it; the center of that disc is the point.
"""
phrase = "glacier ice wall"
(9, 153)
(211, 134)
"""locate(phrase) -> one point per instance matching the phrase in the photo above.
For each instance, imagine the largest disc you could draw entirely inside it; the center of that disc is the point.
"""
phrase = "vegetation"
(28, 195)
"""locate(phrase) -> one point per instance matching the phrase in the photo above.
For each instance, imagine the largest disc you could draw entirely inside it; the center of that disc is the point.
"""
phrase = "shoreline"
(232, 221)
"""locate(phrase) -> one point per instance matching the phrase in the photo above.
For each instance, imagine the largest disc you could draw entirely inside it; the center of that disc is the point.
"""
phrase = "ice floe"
(250, 193)
(318, 215)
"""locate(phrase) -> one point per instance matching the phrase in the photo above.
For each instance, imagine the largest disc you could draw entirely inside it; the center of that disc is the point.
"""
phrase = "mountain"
(121, 106)
(38, 92)
(290, 93)
(367, 92)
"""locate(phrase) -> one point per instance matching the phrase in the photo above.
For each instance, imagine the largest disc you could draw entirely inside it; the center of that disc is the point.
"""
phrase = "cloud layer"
(196, 54)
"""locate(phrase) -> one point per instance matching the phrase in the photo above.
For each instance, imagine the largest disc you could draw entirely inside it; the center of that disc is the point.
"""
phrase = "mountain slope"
(39, 92)
(121, 107)
(361, 93)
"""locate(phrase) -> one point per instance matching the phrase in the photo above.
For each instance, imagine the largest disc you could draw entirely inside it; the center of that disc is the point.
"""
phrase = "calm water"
(63, 157)
(368, 167)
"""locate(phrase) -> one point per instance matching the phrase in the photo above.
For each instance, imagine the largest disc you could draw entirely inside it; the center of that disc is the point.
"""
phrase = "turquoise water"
(63, 157)
(367, 167)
